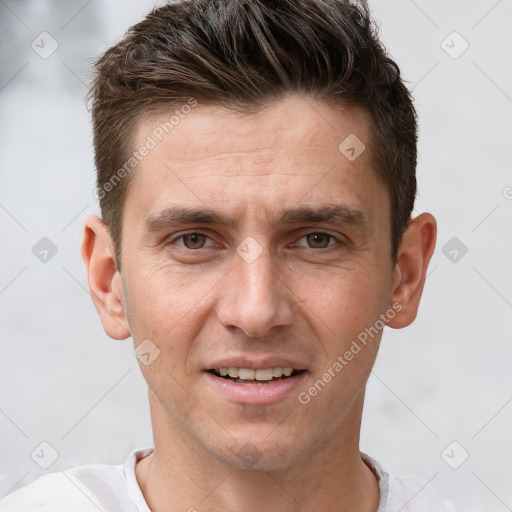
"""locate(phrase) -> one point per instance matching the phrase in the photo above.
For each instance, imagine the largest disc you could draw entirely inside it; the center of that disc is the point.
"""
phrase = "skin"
(305, 298)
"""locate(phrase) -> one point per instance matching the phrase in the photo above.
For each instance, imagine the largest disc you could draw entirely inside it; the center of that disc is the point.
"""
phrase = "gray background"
(446, 378)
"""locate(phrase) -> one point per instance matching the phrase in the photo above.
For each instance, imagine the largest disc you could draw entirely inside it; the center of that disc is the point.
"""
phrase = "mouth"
(256, 381)
(259, 376)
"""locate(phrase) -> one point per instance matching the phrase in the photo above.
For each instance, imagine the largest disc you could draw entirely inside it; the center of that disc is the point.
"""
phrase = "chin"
(261, 453)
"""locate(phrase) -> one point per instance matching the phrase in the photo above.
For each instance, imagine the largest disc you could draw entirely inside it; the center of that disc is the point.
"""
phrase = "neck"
(181, 476)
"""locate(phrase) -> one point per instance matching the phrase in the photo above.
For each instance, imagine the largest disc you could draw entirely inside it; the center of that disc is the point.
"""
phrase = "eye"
(193, 240)
(317, 240)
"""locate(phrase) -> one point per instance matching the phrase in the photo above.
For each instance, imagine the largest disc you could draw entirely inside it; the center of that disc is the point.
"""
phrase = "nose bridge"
(255, 300)
(257, 282)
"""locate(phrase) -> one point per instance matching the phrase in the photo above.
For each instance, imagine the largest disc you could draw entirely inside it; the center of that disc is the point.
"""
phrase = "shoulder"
(412, 494)
(404, 493)
(91, 488)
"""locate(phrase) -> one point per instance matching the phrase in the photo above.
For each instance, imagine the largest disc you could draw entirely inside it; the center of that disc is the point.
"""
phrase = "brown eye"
(194, 240)
(318, 240)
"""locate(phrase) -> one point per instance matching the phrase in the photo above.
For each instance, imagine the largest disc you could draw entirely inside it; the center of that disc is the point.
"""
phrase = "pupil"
(194, 240)
(318, 240)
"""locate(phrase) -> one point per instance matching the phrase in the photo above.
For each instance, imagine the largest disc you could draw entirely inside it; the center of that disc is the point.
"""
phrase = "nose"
(254, 299)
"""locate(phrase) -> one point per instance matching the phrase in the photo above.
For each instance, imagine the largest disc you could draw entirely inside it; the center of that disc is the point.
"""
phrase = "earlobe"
(414, 253)
(104, 279)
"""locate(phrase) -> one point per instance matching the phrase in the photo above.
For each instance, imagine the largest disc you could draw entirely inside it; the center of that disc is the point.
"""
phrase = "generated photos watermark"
(343, 360)
(151, 142)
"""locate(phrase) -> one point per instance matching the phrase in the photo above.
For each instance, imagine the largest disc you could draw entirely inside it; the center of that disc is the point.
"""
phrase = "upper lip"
(256, 363)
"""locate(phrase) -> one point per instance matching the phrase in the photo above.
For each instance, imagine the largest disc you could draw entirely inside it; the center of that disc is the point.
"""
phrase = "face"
(252, 245)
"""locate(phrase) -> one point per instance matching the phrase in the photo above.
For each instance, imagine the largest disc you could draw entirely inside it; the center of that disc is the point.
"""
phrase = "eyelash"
(337, 241)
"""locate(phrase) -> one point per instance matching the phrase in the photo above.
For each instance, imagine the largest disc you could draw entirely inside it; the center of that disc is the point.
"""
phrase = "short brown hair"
(245, 54)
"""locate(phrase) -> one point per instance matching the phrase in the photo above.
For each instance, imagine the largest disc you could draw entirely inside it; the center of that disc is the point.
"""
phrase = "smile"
(254, 376)
(256, 386)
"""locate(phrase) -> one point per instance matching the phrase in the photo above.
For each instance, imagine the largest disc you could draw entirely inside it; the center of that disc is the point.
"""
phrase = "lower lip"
(256, 394)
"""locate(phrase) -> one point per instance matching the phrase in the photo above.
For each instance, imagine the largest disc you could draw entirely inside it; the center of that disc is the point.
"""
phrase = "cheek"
(165, 299)
(168, 308)
(343, 303)
(343, 313)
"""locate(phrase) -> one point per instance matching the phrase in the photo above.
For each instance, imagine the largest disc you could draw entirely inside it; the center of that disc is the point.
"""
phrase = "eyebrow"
(336, 214)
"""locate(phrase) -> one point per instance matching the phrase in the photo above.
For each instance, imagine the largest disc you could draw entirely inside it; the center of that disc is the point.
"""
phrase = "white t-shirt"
(114, 488)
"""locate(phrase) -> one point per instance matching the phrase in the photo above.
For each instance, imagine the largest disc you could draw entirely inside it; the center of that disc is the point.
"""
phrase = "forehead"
(213, 132)
(297, 150)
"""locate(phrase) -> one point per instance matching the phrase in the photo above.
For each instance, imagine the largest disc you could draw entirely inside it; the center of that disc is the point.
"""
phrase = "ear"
(414, 253)
(104, 279)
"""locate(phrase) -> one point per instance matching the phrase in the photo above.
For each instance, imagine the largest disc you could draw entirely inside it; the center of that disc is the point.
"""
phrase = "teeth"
(245, 374)
(277, 372)
(249, 374)
(265, 374)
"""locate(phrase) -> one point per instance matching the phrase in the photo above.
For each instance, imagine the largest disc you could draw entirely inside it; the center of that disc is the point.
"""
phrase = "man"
(256, 177)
